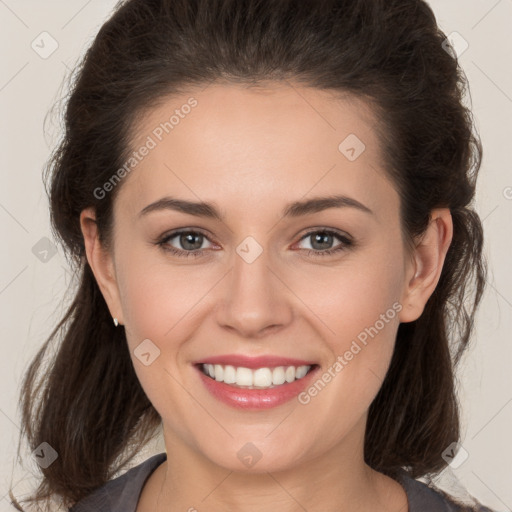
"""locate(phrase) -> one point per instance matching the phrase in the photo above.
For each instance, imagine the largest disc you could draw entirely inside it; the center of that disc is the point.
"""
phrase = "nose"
(256, 299)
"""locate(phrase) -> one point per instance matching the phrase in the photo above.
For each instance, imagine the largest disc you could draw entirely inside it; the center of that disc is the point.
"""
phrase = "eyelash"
(347, 243)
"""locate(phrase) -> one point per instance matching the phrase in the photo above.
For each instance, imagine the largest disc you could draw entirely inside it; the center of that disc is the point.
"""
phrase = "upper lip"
(267, 361)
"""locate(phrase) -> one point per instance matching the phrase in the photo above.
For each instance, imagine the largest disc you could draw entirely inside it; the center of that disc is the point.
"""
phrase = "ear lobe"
(101, 262)
(429, 256)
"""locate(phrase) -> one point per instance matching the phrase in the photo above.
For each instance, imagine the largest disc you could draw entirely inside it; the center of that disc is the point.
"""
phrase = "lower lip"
(256, 399)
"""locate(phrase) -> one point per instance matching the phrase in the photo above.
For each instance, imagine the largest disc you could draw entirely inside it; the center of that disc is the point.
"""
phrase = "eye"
(322, 240)
(189, 240)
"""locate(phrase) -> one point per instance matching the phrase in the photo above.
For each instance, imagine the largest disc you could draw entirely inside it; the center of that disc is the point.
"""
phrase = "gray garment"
(122, 493)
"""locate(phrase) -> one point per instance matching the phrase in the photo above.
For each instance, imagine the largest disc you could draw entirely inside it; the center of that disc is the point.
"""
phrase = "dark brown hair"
(86, 402)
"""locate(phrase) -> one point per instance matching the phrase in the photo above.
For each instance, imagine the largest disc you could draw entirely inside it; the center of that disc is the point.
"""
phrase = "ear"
(424, 270)
(101, 262)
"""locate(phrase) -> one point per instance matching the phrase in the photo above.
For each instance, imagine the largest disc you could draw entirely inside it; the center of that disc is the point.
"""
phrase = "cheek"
(357, 311)
(351, 299)
(159, 299)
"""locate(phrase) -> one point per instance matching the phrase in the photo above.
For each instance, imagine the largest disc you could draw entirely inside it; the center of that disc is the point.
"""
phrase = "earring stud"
(116, 322)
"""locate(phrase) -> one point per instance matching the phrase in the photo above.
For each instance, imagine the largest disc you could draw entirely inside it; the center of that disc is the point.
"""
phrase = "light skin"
(251, 152)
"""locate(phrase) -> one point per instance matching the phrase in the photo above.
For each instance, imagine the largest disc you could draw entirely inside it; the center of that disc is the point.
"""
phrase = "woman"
(269, 208)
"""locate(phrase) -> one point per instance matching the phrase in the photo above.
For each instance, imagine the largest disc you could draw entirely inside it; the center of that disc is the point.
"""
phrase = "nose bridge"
(254, 298)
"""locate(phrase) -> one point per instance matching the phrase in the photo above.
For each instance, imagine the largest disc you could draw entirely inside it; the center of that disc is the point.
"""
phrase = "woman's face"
(255, 279)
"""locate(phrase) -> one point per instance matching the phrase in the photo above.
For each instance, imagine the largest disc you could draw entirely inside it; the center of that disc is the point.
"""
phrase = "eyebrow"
(295, 209)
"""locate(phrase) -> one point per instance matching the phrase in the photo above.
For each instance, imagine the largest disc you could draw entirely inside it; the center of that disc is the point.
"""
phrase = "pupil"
(184, 239)
(322, 238)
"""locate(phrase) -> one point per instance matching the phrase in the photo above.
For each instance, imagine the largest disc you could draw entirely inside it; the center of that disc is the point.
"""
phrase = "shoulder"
(122, 493)
(424, 497)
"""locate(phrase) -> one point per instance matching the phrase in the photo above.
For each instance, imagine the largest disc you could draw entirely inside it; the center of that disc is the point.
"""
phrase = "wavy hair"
(83, 396)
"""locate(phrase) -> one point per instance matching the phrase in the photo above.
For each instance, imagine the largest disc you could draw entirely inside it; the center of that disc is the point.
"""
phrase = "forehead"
(244, 145)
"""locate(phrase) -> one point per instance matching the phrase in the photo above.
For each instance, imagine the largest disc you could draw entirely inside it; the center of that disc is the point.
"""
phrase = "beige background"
(31, 290)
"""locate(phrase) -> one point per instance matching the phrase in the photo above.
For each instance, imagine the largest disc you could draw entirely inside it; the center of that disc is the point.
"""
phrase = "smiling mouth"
(259, 378)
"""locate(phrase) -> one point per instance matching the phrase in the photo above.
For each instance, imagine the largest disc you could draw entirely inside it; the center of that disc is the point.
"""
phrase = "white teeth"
(243, 377)
(229, 374)
(301, 372)
(289, 374)
(219, 373)
(261, 378)
(278, 377)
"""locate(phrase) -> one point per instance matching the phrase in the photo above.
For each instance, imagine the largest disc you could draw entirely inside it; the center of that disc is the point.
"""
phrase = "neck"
(337, 481)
